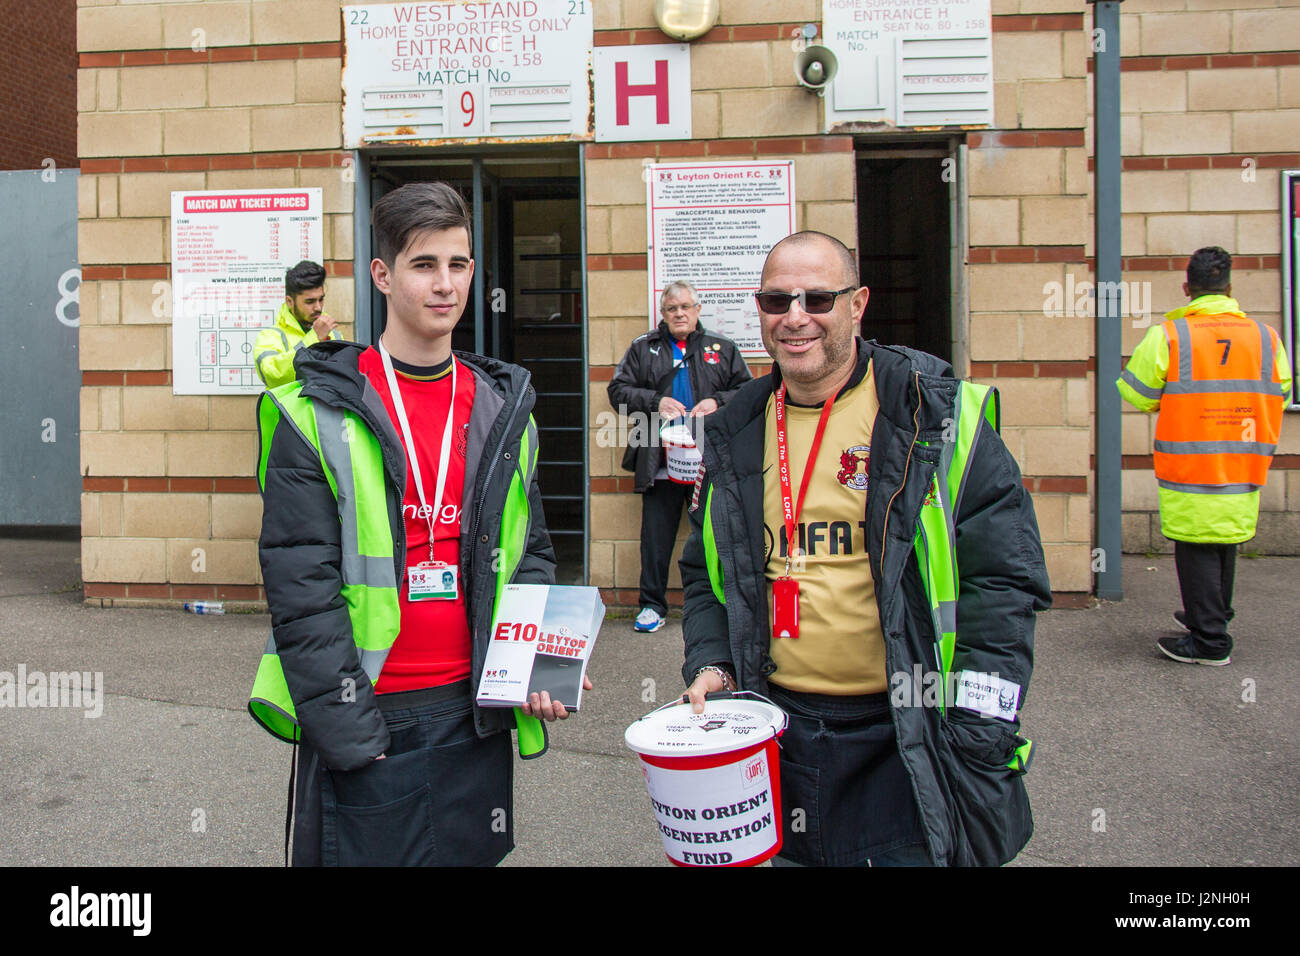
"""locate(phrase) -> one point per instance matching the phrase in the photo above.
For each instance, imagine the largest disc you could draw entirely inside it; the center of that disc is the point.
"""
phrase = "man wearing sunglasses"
(865, 555)
(677, 371)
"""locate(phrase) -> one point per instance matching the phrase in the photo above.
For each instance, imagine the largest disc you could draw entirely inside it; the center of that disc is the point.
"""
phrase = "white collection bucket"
(681, 454)
(714, 779)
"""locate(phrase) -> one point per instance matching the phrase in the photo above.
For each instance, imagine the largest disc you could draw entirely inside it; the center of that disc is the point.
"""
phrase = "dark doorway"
(904, 246)
(527, 308)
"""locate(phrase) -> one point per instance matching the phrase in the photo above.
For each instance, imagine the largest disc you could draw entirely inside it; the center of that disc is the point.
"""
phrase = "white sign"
(230, 250)
(713, 224)
(643, 92)
(415, 72)
(910, 62)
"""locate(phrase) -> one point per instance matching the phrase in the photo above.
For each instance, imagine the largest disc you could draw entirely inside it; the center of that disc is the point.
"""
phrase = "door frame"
(361, 168)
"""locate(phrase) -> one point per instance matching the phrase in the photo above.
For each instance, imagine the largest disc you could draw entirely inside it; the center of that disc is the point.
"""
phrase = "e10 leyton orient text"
(561, 645)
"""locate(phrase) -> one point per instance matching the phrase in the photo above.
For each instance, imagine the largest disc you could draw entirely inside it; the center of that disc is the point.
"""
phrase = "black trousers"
(441, 797)
(1205, 577)
(661, 513)
(846, 798)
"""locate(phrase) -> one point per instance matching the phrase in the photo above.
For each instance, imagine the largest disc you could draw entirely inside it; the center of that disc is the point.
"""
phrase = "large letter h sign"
(624, 91)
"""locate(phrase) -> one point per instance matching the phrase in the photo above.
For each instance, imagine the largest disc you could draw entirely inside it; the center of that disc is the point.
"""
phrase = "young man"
(1206, 358)
(678, 370)
(865, 554)
(300, 322)
(429, 472)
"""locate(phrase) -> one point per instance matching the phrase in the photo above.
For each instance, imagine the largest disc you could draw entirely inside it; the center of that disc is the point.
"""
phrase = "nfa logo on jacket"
(853, 467)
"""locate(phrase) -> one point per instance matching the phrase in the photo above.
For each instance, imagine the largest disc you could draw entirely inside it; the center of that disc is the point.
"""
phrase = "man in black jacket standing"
(400, 496)
(678, 371)
(842, 498)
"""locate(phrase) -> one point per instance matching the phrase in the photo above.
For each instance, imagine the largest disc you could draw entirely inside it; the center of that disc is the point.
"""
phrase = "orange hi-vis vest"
(1221, 408)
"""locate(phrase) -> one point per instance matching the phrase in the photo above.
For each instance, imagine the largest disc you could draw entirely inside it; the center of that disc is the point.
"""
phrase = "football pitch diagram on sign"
(419, 72)
(230, 251)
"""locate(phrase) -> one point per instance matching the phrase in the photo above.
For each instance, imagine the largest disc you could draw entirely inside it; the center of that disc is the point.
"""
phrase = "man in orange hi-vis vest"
(1219, 381)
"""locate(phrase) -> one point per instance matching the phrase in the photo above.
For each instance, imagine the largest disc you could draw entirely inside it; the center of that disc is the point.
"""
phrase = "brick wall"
(1210, 114)
(1028, 226)
(237, 93)
(38, 84)
(221, 95)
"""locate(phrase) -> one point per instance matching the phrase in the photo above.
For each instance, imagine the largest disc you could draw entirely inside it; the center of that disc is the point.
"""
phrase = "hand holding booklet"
(542, 637)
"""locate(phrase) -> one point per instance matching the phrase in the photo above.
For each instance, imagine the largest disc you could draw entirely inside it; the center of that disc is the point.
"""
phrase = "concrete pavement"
(1140, 761)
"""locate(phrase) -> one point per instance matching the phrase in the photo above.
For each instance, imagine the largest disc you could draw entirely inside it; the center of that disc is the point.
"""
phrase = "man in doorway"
(1219, 381)
(860, 524)
(678, 371)
(386, 472)
(301, 322)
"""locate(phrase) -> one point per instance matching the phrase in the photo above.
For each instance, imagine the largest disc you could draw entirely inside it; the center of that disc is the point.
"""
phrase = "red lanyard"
(791, 513)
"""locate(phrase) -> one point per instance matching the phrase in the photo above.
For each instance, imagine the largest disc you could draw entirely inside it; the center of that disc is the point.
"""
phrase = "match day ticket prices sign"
(421, 72)
(910, 62)
(230, 251)
(712, 224)
(542, 636)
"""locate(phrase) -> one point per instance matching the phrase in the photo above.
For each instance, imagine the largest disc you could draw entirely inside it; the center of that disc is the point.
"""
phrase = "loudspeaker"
(814, 68)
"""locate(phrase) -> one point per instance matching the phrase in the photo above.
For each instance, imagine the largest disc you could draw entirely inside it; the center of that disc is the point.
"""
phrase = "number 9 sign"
(467, 111)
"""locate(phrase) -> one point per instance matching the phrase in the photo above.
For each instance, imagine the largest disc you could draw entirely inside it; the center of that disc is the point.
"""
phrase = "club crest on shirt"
(853, 467)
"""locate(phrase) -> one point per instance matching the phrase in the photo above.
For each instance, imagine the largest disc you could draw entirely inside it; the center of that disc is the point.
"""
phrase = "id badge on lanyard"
(785, 589)
(429, 580)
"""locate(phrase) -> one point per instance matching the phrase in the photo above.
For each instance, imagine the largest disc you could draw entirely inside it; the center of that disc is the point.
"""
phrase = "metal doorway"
(528, 304)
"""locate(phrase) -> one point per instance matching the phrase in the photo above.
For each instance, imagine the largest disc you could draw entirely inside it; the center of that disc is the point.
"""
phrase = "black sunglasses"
(812, 302)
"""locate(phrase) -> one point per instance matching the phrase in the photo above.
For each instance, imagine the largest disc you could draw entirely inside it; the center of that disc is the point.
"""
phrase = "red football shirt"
(433, 646)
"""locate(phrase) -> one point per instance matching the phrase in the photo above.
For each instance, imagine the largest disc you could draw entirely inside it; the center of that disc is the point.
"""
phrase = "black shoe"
(1181, 649)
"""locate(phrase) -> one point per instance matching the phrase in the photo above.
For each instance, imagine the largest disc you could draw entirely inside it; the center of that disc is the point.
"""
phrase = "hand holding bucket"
(714, 778)
(681, 452)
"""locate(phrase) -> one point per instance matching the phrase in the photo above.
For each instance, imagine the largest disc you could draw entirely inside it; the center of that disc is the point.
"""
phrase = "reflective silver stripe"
(369, 570)
(297, 345)
(1224, 385)
(270, 644)
(284, 338)
(936, 616)
(262, 355)
(1213, 447)
(533, 454)
(948, 617)
(1207, 489)
(1266, 355)
(1184, 351)
(372, 662)
(1132, 381)
(359, 569)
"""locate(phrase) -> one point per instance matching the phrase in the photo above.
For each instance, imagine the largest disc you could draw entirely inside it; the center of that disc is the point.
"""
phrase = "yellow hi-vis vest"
(352, 461)
(276, 346)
